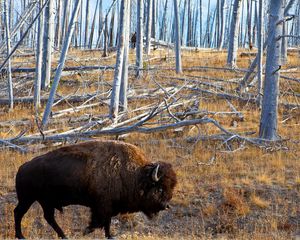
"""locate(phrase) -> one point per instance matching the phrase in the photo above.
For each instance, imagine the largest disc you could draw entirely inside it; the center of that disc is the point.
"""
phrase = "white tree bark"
(87, 20)
(189, 25)
(112, 28)
(260, 34)
(61, 63)
(93, 27)
(201, 22)
(48, 44)
(39, 60)
(234, 34)
(58, 24)
(124, 79)
(154, 11)
(9, 77)
(139, 38)
(177, 38)
(148, 28)
(115, 95)
(222, 23)
(163, 29)
(284, 41)
(64, 21)
(268, 121)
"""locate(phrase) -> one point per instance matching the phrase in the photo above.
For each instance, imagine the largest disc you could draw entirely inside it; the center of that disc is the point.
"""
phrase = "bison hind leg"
(94, 223)
(49, 216)
(19, 212)
(99, 221)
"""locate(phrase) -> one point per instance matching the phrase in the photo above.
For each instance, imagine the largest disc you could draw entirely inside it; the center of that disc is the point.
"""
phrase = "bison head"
(157, 183)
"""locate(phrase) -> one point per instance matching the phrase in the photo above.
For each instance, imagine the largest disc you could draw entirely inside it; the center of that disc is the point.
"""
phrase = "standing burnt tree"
(268, 121)
(9, 77)
(148, 27)
(61, 62)
(139, 38)
(39, 59)
(177, 38)
(234, 33)
(119, 71)
(48, 44)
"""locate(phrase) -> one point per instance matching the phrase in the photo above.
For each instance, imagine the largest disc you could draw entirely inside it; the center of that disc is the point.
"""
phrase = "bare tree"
(268, 121)
(163, 29)
(201, 27)
(39, 60)
(148, 27)
(48, 44)
(189, 25)
(177, 38)
(234, 32)
(124, 79)
(58, 25)
(139, 38)
(260, 30)
(87, 20)
(222, 25)
(61, 63)
(115, 95)
(112, 27)
(93, 26)
(154, 11)
(9, 75)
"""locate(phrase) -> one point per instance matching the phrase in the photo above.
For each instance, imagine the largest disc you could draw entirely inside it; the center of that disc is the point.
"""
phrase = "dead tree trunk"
(177, 38)
(93, 27)
(124, 79)
(9, 77)
(148, 28)
(48, 44)
(234, 34)
(115, 95)
(260, 31)
(87, 20)
(61, 63)
(163, 29)
(268, 121)
(139, 38)
(39, 60)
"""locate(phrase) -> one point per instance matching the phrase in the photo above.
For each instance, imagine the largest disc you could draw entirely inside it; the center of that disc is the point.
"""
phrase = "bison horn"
(155, 174)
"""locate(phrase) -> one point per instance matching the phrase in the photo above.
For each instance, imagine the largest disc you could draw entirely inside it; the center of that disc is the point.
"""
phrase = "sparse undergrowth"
(243, 192)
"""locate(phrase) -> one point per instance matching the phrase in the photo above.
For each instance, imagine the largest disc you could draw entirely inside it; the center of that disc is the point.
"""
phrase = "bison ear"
(154, 174)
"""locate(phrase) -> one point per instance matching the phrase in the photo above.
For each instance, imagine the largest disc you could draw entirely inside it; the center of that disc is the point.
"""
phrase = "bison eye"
(160, 190)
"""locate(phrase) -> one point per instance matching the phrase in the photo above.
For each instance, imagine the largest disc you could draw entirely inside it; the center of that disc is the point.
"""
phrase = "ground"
(226, 188)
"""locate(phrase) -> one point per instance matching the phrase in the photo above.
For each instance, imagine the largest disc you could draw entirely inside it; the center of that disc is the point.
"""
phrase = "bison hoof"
(88, 230)
(19, 237)
(111, 238)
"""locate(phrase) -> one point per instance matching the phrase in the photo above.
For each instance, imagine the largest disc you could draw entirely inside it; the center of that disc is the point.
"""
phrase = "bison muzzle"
(109, 177)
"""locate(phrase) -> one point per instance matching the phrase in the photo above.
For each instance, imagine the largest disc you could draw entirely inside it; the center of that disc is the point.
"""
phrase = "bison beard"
(109, 177)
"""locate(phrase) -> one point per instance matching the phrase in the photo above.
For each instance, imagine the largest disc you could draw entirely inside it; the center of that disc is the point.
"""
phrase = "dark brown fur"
(133, 40)
(110, 177)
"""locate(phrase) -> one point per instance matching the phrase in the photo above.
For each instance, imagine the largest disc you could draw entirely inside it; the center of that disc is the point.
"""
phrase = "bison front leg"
(107, 228)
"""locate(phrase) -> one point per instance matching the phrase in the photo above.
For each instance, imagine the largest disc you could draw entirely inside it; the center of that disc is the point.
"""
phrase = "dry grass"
(248, 193)
(259, 202)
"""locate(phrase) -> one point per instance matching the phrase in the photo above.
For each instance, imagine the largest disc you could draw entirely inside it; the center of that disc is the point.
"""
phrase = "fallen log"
(111, 131)
(250, 98)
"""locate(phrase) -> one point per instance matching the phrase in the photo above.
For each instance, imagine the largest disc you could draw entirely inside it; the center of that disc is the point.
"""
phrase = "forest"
(210, 87)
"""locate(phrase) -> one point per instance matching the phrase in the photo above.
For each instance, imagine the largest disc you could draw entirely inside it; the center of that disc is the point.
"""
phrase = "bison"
(109, 177)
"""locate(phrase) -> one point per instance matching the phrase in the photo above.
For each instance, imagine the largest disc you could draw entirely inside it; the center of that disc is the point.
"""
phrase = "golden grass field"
(248, 192)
